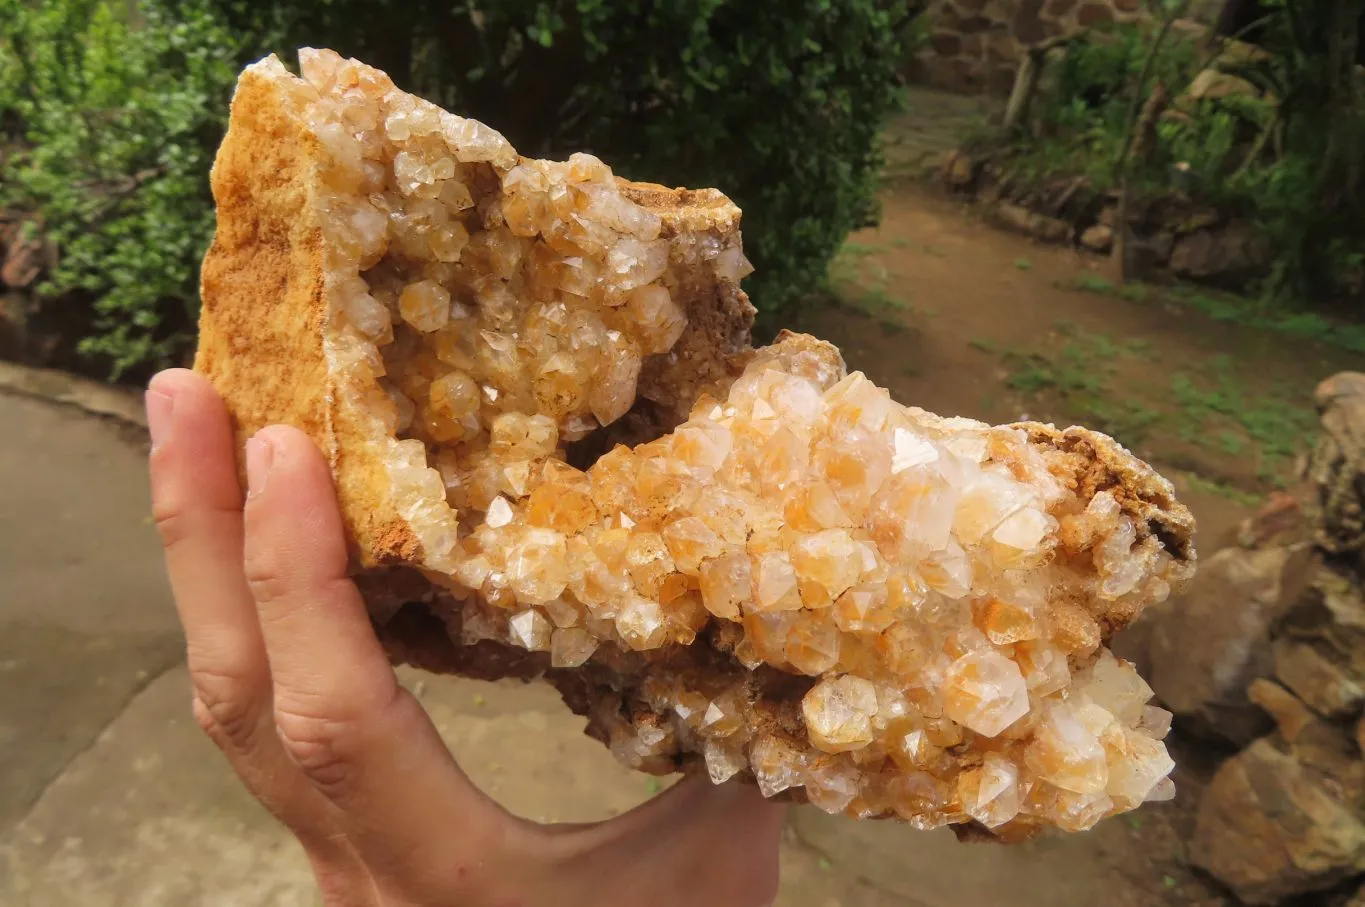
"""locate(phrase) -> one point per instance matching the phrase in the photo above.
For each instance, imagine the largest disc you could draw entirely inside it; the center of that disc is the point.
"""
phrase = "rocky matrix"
(850, 601)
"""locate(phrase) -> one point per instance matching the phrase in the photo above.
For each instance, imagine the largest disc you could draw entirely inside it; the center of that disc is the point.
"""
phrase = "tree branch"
(1030, 73)
(1121, 168)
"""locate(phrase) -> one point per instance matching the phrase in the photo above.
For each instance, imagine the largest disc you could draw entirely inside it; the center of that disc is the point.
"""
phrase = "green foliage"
(1080, 375)
(1212, 405)
(1301, 325)
(1094, 283)
(1314, 190)
(1218, 412)
(1222, 490)
(1286, 155)
(777, 103)
(860, 281)
(1086, 101)
(116, 126)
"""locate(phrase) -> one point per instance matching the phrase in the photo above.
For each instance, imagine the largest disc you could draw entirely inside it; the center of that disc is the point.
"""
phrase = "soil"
(957, 317)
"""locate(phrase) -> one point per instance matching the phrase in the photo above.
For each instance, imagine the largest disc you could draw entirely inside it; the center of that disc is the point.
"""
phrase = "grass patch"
(1094, 283)
(860, 250)
(1079, 376)
(877, 297)
(1103, 286)
(1249, 313)
(1229, 309)
(1127, 421)
(1214, 411)
(1223, 490)
(1222, 409)
(983, 346)
(1208, 406)
(862, 284)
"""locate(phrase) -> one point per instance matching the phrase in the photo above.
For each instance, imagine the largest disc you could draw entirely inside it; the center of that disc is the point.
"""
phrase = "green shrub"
(117, 120)
(1289, 161)
(779, 103)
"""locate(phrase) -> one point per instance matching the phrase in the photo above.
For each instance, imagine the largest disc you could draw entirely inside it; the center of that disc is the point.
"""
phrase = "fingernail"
(159, 408)
(259, 454)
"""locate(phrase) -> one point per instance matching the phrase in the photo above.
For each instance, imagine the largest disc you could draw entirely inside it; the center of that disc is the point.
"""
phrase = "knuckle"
(317, 744)
(172, 522)
(268, 580)
(224, 709)
(179, 521)
(330, 744)
(274, 578)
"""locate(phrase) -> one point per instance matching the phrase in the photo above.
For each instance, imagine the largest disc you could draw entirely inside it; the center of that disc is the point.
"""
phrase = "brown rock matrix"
(885, 612)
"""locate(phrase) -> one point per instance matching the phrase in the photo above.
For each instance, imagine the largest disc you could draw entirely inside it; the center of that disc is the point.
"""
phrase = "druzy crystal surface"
(786, 575)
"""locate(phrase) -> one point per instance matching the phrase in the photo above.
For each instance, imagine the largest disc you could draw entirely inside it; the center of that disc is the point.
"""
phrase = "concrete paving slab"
(86, 618)
(151, 815)
(933, 868)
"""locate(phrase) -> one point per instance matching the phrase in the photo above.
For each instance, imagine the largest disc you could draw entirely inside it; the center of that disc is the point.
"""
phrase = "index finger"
(197, 505)
(197, 502)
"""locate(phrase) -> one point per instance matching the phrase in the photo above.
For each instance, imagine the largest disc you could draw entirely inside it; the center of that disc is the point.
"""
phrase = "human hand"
(292, 685)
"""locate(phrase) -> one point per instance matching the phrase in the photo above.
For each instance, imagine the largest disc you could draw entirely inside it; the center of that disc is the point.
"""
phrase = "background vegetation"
(111, 110)
(1275, 138)
(109, 125)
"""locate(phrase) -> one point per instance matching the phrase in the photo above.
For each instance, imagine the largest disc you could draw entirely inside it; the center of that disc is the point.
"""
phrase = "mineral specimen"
(788, 577)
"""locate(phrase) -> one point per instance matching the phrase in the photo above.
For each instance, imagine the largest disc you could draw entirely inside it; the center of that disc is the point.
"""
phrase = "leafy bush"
(777, 102)
(1289, 161)
(116, 125)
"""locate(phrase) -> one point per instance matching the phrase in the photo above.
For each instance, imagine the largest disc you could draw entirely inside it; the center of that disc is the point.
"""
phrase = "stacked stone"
(978, 45)
(1269, 653)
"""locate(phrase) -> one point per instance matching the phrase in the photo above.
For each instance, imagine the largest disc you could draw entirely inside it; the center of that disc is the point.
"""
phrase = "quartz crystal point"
(558, 457)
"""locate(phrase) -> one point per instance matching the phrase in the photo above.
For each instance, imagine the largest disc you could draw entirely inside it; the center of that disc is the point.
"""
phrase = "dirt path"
(958, 317)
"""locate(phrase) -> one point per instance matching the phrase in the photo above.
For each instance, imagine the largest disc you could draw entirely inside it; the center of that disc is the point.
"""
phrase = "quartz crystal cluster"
(792, 579)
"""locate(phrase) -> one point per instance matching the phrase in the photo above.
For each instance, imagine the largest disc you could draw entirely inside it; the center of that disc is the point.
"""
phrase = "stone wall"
(1276, 622)
(975, 45)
